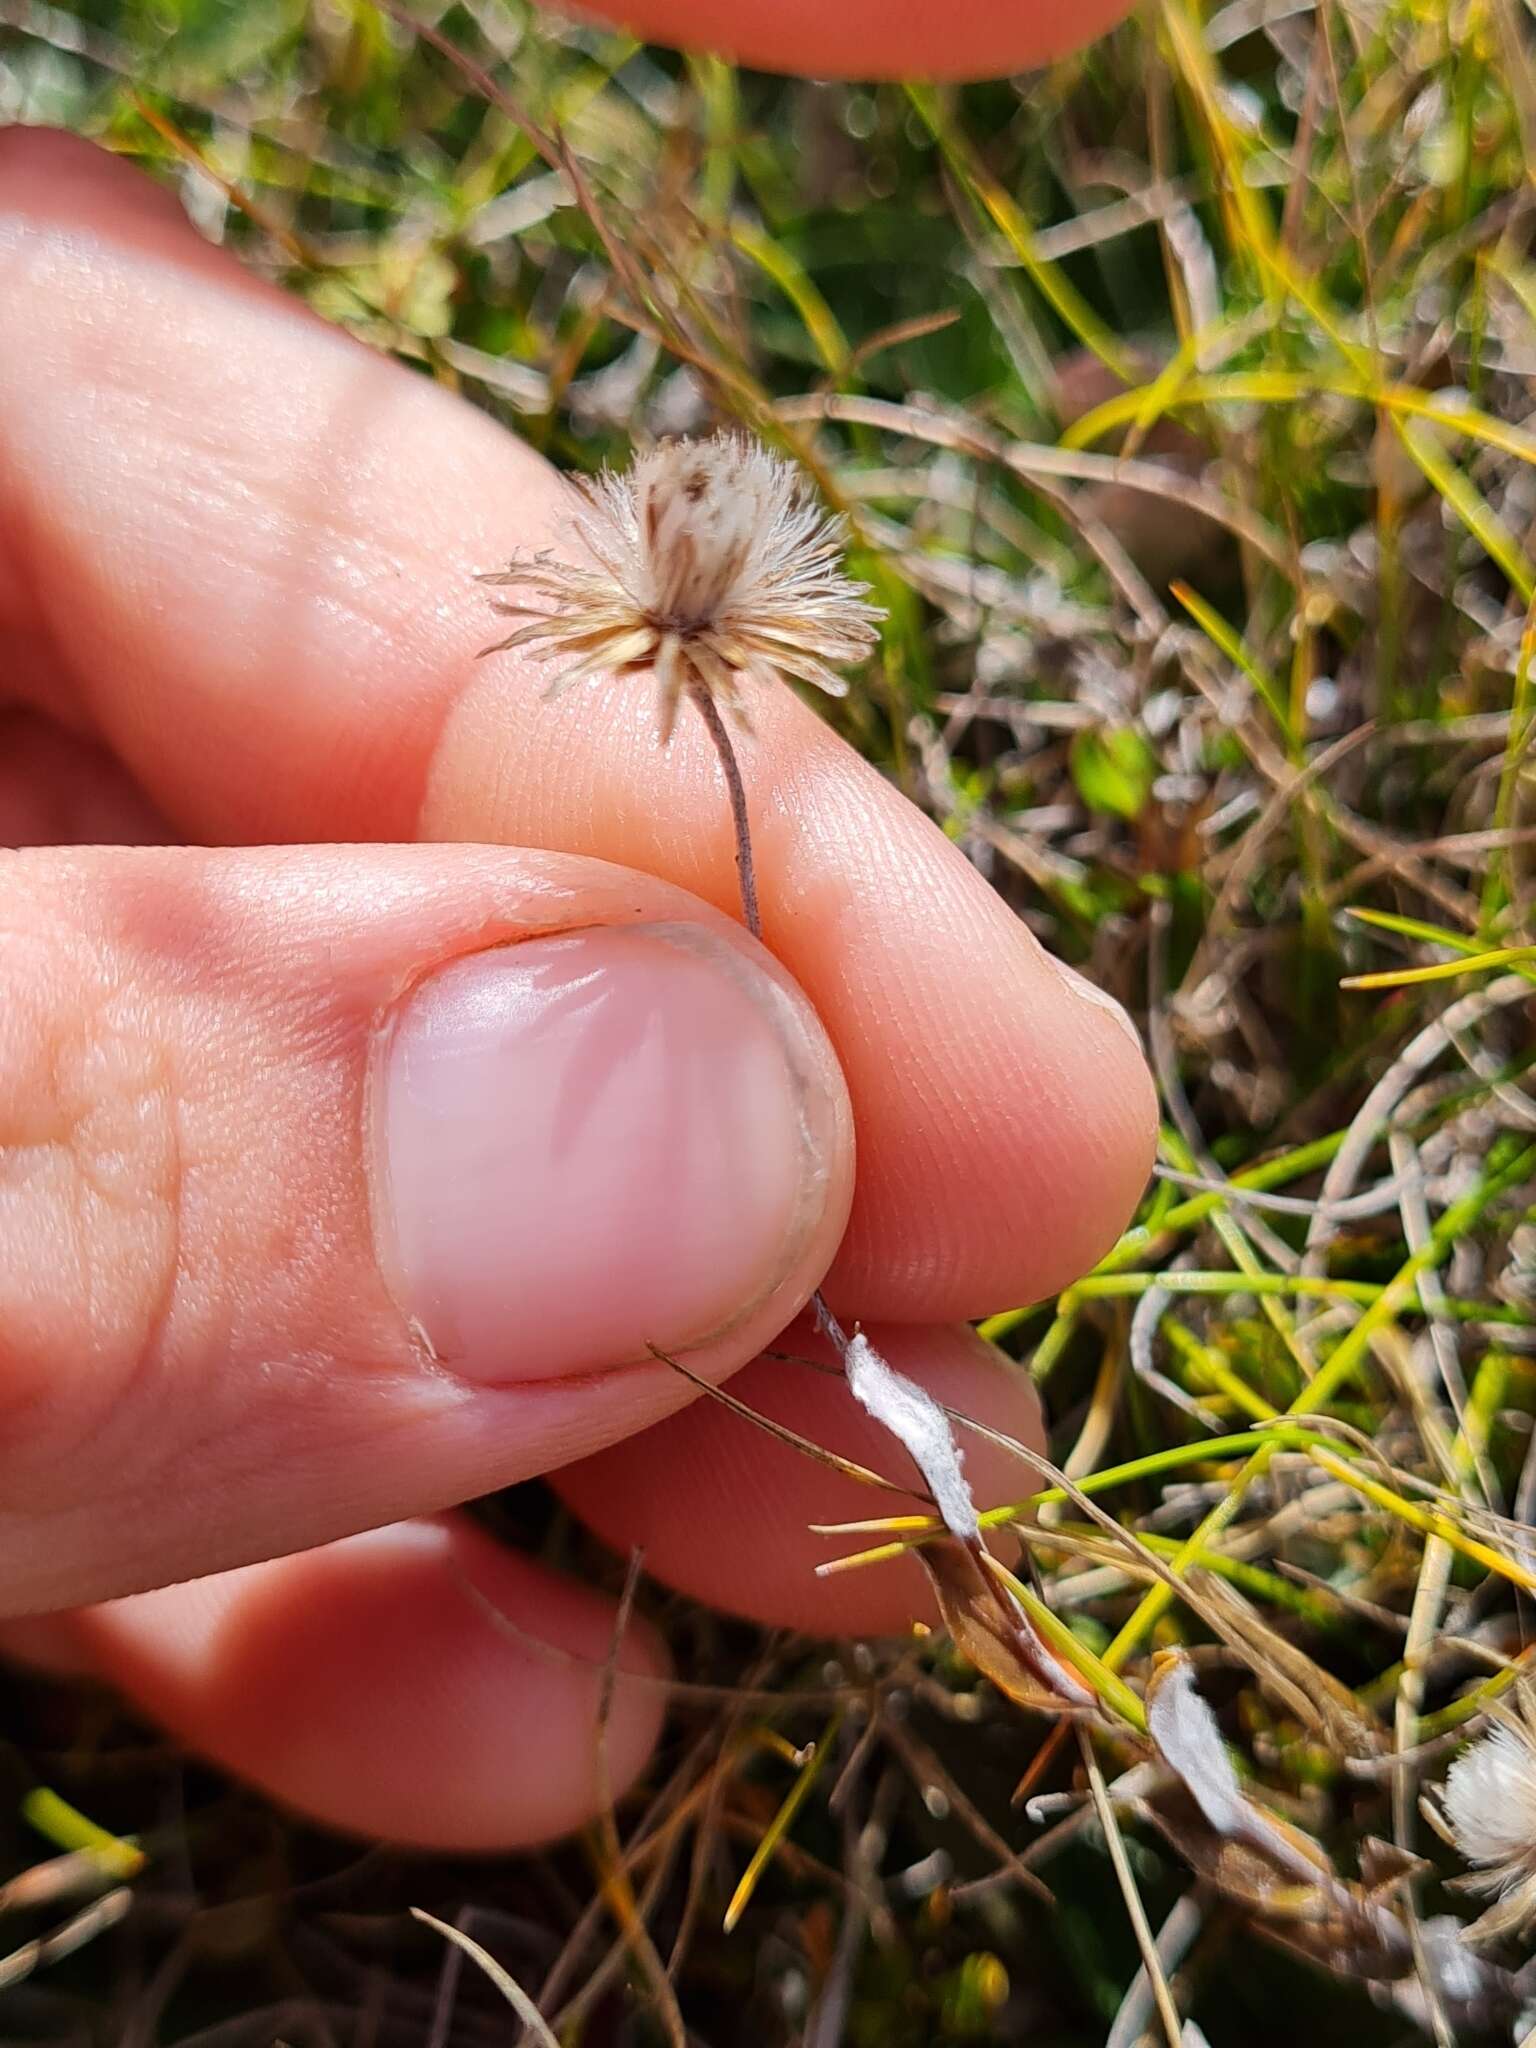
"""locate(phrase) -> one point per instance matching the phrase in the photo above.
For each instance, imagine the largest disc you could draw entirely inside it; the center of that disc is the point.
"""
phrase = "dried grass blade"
(503, 1979)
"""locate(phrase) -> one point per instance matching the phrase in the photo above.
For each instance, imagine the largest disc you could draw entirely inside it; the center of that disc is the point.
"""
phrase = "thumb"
(332, 1180)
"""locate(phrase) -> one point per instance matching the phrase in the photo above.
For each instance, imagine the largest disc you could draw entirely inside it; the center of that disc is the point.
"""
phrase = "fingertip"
(873, 38)
(1020, 1104)
(371, 1685)
(682, 1162)
(52, 174)
(34, 154)
(1102, 1125)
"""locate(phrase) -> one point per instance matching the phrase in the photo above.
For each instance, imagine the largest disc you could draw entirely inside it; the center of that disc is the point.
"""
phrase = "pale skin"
(252, 1300)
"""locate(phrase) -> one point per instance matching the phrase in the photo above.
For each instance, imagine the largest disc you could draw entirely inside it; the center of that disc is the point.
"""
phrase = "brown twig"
(746, 871)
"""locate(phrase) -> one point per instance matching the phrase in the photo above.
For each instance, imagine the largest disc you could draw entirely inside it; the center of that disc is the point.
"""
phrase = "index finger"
(243, 552)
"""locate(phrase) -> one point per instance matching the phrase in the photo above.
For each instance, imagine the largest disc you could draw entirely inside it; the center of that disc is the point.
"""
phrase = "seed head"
(1489, 1801)
(708, 562)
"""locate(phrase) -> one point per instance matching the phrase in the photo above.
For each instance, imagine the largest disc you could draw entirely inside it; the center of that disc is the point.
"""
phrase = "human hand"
(348, 1178)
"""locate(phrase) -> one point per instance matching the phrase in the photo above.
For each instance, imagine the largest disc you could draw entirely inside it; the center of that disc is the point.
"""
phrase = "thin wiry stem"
(746, 870)
(746, 873)
(1172, 1944)
(1114, 1841)
(1026, 1644)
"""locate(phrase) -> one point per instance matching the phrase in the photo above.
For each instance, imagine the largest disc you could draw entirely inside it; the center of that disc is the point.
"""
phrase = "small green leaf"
(1114, 770)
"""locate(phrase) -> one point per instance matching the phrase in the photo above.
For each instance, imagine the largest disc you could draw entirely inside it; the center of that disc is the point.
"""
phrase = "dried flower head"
(707, 561)
(1489, 1802)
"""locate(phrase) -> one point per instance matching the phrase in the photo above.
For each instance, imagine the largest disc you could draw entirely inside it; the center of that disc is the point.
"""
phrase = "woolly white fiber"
(911, 1413)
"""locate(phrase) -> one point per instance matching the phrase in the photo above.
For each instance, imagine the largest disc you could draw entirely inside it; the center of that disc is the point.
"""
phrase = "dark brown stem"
(746, 873)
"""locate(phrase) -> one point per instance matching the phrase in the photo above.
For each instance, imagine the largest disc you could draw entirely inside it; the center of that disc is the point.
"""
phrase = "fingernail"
(594, 1142)
(1088, 992)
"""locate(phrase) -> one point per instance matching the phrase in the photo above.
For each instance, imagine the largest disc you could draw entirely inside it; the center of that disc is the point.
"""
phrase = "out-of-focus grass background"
(1179, 397)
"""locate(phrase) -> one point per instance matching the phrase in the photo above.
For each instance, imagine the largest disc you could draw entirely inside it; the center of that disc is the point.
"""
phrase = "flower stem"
(746, 873)
(1026, 1644)
(746, 870)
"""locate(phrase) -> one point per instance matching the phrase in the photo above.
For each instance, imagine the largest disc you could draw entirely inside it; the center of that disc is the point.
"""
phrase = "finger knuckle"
(93, 1180)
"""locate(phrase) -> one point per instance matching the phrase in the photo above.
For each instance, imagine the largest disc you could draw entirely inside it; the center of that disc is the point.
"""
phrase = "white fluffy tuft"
(911, 1413)
(1490, 1800)
(1182, 1725)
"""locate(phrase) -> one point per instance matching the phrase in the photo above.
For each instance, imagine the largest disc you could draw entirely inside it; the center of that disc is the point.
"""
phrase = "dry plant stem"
(1025, 1643)
(1173, 1942)
(746, 875)
(535, 2026)
(45, 1949)
(613, 1878)
(746, 872)
(1114, 1841)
